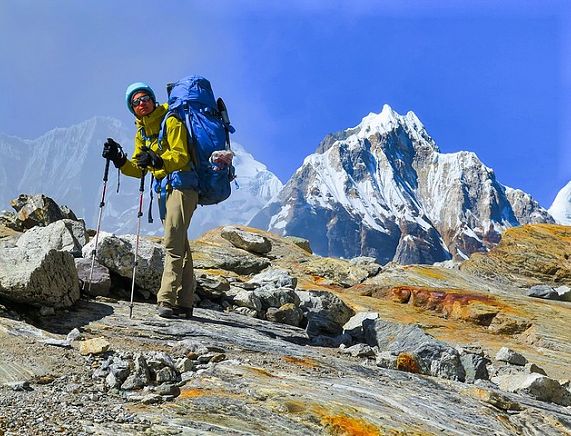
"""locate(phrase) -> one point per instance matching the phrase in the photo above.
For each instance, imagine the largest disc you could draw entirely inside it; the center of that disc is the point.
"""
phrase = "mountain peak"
(561, 207)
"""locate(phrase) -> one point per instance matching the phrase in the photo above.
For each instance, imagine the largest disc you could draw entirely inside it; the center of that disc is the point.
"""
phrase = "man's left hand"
(148, 158)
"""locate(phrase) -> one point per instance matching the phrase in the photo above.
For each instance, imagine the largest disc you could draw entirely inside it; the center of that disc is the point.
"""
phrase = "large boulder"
(62, 235)
(415, 350)
(39, 210)
(38, 277)
(248, 241)
(118, 254)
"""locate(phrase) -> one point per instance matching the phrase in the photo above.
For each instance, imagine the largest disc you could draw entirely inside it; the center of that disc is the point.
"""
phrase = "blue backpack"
(192, 101)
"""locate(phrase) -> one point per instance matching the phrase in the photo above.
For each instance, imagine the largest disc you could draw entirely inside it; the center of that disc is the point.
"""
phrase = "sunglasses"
(138, 101)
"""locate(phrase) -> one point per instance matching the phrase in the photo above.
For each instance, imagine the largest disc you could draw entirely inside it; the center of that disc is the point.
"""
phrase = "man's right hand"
(113, 151)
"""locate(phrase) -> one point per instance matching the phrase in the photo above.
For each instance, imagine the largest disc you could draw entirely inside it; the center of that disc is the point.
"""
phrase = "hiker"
(175, 296)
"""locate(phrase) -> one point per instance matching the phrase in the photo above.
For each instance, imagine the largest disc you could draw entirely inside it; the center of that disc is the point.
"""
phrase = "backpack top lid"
(192, 89)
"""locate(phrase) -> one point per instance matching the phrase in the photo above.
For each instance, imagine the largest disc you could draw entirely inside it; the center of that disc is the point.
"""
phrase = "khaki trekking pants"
(178, 282)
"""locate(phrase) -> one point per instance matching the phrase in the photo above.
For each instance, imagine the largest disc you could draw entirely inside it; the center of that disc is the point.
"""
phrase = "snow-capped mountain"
(561, 207)
(383, 189)
(66, 164)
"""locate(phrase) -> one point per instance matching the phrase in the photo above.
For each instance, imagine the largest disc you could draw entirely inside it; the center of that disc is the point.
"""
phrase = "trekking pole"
(101, 205)
(139, 215)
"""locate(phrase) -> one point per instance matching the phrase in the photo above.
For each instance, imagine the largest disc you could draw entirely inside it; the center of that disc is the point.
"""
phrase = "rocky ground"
(283, 341)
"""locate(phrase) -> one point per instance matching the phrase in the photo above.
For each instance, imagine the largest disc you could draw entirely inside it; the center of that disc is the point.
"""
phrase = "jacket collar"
(152, 122)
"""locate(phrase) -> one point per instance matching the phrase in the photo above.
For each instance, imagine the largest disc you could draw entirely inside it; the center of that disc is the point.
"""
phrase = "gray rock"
(252, 313)
(38, 277)
(354, 326)
(543, 291)
(248, 299)
(36, 210)
(510, 356)
(248, 241)
(118, 253)
(300, 242)
(100, 283)
(564, 293)
(229, 259)
(167, 375)
(359, 350)
(326, 304)
(320, 324)
(367, 263)
(62, 235)
(167, 389)
(287, 314)
(276, 297)
(537, 386)
(475, 367)
(428, 355)
(386, 359)
(211, 287)
(189, 346)
(275, 278)
(184, 364)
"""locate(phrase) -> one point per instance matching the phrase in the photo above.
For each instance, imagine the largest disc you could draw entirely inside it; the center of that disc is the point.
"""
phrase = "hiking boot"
(182, 312)
(165, 310)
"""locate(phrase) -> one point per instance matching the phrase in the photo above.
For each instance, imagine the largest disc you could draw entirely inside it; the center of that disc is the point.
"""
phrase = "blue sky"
(485, 76)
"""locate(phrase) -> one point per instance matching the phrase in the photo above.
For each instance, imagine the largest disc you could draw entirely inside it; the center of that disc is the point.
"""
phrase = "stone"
(275, 277)
(494, 398)
(354, 326)
(187, 346)
(252, 313)
(184, 364)
(510, 356)
(100, 283)
(211, 287)
(288, 313)
(206, 256)
(118, 254)
(508, 324)
(167, 375)
(537, 386)
(248, 299)
(302, 243)
(36, 210)
(94, 346)
(475, 367)
(167, 389)
(543, 291)
(248, 241)
(432, 356)
(319, 324)
(152, 399)
(326, 304)
(61, 235)
(367, 263)
(276, 297)
(38, 277)
(359, 350)
(564, 293)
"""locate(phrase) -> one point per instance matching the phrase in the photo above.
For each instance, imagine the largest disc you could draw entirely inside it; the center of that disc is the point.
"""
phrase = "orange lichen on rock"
(308, 362)
(345, 425)
(408, 363)
(194, 393)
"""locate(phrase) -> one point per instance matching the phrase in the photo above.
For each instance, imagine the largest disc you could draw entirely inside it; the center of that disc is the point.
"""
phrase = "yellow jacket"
(174, 152)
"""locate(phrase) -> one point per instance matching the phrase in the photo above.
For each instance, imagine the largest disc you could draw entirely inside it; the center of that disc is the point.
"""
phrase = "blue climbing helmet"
(133, 88)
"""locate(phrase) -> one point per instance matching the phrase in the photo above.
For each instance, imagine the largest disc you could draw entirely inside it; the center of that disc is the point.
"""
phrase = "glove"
(114, 152)
(148, 158)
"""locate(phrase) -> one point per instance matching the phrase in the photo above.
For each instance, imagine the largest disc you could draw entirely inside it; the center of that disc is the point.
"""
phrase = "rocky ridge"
(285, 341)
